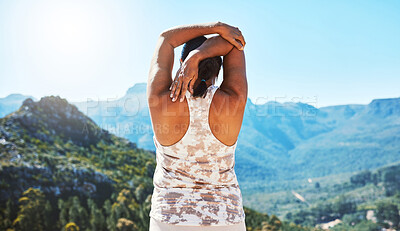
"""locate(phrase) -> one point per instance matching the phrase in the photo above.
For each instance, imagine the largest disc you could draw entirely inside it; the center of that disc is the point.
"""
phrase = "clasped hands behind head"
(189, 71)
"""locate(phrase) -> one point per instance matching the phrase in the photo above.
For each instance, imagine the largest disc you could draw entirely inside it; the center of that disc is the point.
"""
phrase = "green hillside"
(52, 153)
(347, 197)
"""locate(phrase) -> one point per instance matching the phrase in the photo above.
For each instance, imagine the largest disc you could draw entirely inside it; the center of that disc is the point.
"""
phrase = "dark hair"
(208, 67)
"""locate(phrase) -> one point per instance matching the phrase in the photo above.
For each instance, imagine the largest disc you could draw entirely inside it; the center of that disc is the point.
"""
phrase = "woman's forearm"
(214, 46)
(178, 35)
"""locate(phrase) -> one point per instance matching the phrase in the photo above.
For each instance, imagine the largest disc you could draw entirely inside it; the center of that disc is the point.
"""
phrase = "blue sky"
(318, 52)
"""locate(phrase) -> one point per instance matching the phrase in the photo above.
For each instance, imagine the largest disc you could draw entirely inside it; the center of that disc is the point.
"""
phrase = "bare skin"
(170, 118)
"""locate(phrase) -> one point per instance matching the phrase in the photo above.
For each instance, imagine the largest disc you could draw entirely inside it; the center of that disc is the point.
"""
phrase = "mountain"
(58, 129)
(127, 116)
(365, 139)
(280, 141)
(11, 103)
(51, 150)
(60, 171)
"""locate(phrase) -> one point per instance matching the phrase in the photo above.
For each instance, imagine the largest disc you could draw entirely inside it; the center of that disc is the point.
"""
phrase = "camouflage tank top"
(194, 180)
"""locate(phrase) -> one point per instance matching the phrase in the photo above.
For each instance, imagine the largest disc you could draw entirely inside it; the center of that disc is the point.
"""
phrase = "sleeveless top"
(194, 180)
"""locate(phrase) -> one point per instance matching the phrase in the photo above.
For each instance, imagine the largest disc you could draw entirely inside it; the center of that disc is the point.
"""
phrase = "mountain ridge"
(278, 141)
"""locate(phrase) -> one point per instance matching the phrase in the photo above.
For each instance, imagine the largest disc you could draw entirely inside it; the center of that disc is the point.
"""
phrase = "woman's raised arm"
(178, 35)
(214, 46)
(160, 74)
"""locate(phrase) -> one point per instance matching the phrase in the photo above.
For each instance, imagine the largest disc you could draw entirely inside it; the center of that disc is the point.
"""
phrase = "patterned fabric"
(194, 181)
(160, 226)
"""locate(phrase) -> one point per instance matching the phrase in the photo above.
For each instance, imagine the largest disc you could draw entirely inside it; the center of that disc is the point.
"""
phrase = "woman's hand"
(232, 35)
(187, 74)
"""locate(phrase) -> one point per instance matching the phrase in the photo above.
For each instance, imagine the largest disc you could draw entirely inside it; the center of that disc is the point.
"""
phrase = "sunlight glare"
(68, 29)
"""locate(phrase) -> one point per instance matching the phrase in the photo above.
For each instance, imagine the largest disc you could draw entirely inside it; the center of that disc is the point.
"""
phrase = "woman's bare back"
(225, 119)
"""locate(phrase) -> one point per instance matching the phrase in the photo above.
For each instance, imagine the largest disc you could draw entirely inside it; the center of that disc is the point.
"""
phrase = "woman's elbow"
(166, 37)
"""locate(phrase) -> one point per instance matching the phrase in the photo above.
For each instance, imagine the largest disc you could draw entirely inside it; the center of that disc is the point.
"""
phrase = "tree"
(77, 213)
(119, 209)
(386, 211)
(125, 225)
(50, 217)
(144, 211)
(140, 193)
(110, 222)
(273, 224)
(96, 220)
(63, 207)
(344, 205)
(391, 180)
(9, 214)
(72, 211)
(31, 211)
(361, 178)
(71, 227)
